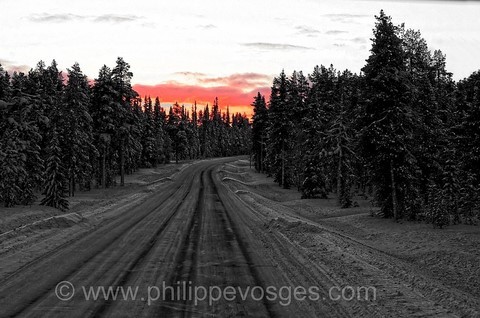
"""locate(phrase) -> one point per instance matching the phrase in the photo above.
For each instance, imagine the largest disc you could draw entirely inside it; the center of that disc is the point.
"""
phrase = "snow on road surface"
(219, 240)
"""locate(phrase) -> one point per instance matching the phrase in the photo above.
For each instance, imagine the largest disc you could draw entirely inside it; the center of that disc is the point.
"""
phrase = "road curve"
(183, 234)
(195, 248)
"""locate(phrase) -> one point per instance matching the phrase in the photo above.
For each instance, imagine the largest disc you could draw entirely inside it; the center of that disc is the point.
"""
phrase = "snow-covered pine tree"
(388, 139)
(126, 138)
(46, 83)
(148, 140)
(19, 141)
(430, 131)
(340, 137)
(469, 130)
(12, 162)
(280, 132)
(5, 89)
(317, 113)
(193, 134)
(259, 133)
(185, 127)
(102, 112)
(55, 187)
(75, 126)
(136, 126)
(466, 141)
(298, 90)
(216, 133)
(159, 122)
(206, 135)
(173, 124)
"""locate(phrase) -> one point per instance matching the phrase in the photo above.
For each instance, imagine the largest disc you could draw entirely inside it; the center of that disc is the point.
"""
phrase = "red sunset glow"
(237, 98)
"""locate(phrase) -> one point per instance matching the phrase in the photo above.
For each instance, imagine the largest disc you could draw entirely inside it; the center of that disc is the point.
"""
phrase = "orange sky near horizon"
(237, 99)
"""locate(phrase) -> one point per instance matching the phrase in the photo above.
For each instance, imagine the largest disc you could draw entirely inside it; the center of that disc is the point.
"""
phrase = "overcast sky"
(188, 50)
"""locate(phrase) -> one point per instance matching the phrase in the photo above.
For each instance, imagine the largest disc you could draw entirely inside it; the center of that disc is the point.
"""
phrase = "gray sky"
(205, 43)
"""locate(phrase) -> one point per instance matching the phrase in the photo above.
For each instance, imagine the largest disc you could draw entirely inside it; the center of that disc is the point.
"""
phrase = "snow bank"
(58, 221)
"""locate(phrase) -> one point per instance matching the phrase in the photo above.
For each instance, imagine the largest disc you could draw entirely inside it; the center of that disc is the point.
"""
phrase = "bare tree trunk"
(394, 192)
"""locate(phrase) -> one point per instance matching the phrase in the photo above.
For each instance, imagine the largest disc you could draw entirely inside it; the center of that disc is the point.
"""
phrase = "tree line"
(60, 134)
(402, 131)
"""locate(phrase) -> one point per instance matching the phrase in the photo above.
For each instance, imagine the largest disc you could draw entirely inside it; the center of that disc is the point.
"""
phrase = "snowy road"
(197, 248)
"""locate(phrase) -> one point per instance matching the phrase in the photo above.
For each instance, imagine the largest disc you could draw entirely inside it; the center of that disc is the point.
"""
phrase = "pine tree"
(55, 181)
(206, 134)
(5, 90)
(42, 90)
(102, 111)
(47, 84)
(159, 122)
(21, 138)
(469, 132)
(280, 132)
(430, 132)
(149, 145)
(317, 116)
(193, 135)
(173, 130)
(466, 136)
(216, 132)
(340, 137)
(298, 90)
(183, 134)
(12, 164)
(75, 131)
(389, 122)
(259, 133)
(125, 142)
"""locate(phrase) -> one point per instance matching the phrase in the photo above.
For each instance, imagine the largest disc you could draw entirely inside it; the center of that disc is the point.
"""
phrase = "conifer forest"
(344, 193)
(61, 133)
(401, 131)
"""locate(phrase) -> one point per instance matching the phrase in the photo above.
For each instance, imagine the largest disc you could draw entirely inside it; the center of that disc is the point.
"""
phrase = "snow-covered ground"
(440, 264)
(47, 228)
(218, 222)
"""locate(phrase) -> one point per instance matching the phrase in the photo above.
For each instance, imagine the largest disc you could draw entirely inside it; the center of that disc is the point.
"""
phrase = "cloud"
(191, 74)
(68, 17)
(308, 31)
(150, 25)
(335, 32)
(208, 26)
(345, 17)
(11, 67)
(276, 46)
(359, 40)
(116, 18)
(61, 17)
(243, 81)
